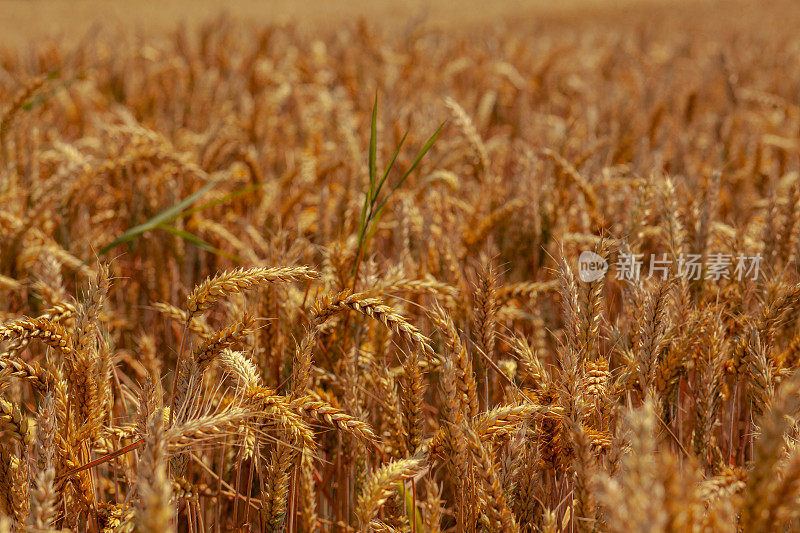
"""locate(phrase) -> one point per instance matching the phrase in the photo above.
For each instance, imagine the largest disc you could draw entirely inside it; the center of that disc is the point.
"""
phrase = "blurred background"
(24, 20)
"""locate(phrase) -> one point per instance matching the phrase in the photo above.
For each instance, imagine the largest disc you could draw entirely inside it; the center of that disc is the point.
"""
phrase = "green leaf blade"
(163, 217)
(197, 241)
(424, 150)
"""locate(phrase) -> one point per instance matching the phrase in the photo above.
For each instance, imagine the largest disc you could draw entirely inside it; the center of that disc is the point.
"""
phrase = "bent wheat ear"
(212, 289)
(242, 369)
(19, 101)
(14, 424)
(315, 406)
(376, 309)
(43, 329)
(182, 317)
(221, 340)
(32, 373)
(526, 290)
(504, 419)
(212, 426)
(468, 128)
(283, 413)
(59, 312)
(381, 485)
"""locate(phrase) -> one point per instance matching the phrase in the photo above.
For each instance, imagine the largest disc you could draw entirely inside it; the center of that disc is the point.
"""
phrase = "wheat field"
(530, 273)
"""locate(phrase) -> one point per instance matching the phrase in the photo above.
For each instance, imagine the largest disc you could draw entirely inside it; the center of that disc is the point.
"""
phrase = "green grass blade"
(38, 98)
(373, 227)
(373, 147)
(363, 222)
(369, 200)
(161, 218)
(218, 201)
(412, 513)
(389, 166)
(197, 241)
(424, 150)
